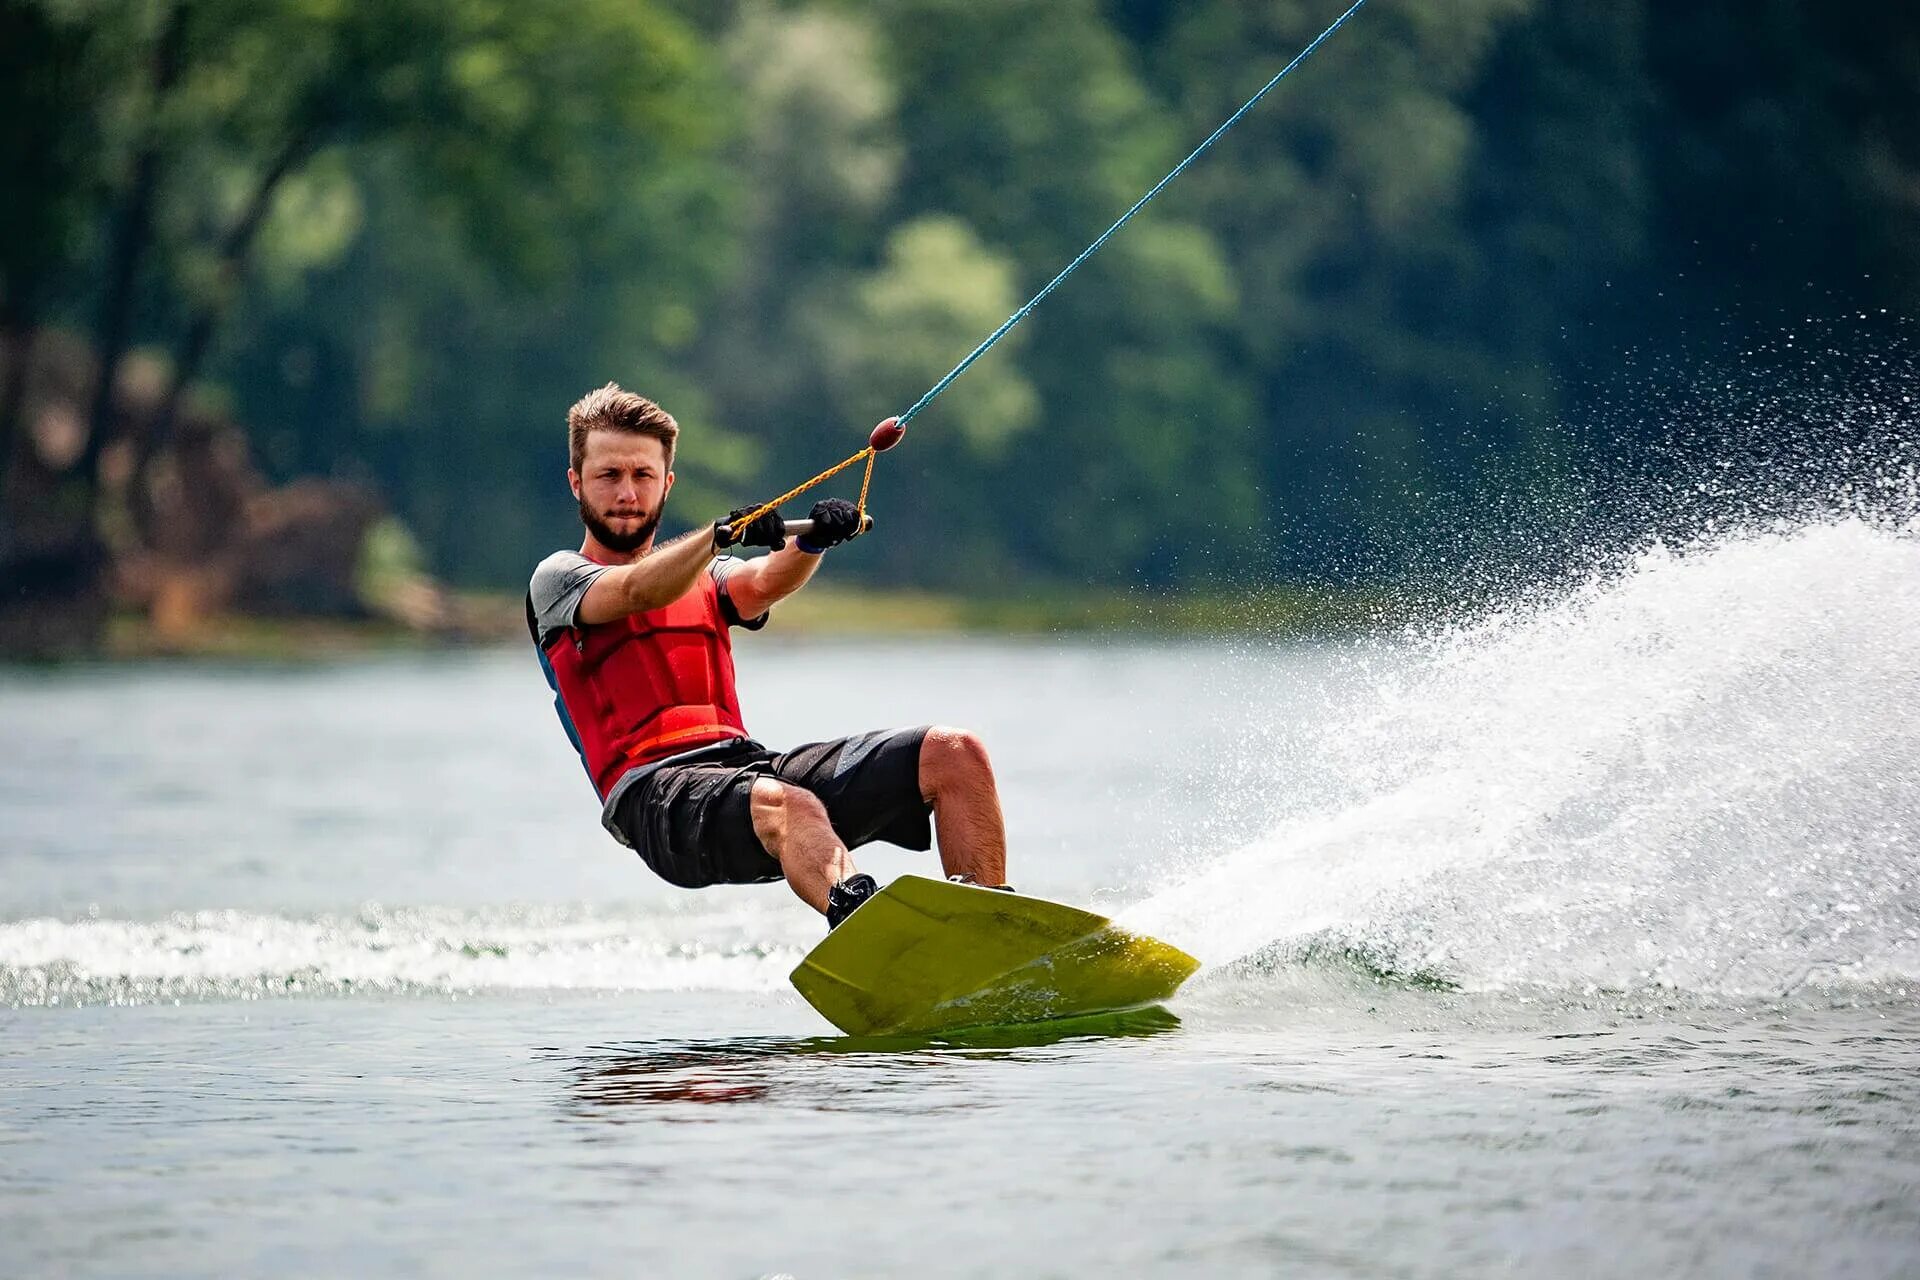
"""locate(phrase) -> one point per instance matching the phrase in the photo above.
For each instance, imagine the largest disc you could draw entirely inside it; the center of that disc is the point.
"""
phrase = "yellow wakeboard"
(927, 955)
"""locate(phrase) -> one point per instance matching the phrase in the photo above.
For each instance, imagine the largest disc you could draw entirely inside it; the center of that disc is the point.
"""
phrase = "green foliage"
(894, 332)
(786, 218)
(391, 560)
(43, 152)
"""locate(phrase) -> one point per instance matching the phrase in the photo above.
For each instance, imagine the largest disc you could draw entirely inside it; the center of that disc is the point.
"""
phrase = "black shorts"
(693, 823)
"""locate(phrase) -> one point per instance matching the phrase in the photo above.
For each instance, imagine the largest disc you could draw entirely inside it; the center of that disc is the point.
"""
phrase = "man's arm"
(758, 585)
(669, 571)
(655, 580)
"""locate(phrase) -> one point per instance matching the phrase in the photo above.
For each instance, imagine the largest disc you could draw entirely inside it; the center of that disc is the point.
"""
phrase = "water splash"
(1698, 770)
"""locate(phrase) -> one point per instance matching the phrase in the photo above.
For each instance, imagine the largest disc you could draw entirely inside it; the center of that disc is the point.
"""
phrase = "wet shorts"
(693, 823)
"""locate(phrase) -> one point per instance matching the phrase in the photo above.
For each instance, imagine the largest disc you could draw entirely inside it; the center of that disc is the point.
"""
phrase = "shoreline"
(1289, 612)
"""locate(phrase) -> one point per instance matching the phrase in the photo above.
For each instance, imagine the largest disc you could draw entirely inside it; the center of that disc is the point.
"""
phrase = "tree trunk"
(131, 236)
(235, 247)
(16, 347)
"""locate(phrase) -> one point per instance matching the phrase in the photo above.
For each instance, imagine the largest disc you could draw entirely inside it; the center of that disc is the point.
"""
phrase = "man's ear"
(669, 489)
(573, 482)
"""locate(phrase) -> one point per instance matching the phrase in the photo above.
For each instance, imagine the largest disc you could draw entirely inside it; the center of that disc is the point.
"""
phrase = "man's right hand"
(769, 530)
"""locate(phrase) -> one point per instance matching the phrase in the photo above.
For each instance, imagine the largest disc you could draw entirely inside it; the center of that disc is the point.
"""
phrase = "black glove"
(834, 521)
(768, 530)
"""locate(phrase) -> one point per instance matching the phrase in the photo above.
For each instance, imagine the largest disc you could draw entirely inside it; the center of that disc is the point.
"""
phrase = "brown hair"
(613, 409)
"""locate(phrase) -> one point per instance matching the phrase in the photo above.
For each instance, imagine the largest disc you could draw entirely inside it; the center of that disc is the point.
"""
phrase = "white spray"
(1698, 770)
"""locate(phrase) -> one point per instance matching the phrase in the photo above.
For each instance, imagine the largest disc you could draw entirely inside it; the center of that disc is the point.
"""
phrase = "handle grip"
(801, 528)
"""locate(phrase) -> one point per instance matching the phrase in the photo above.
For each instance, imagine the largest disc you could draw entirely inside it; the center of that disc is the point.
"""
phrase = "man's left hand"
(834, 521)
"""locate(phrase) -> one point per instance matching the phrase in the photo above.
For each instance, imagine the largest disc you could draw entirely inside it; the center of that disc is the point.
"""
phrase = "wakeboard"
(925, 956)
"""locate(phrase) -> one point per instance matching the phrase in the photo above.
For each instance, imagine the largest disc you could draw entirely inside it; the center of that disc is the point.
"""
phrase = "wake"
(725, 942)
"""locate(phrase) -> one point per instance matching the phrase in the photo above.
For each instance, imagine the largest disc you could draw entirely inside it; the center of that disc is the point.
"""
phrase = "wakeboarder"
(636, 642)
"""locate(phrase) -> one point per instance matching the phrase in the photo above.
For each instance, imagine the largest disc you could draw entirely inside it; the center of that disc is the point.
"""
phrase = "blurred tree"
(43, 155)
(817, 158)
(440, 350)
(399, 239)
(1783, 139)
(881, 338)
(1026, 121)
(233, 128)
(895, 331)
(1344, 204)
(515, 125)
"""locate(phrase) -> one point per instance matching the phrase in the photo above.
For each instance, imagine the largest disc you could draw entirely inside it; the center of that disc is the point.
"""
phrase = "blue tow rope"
(1140, 204)
(888, 433)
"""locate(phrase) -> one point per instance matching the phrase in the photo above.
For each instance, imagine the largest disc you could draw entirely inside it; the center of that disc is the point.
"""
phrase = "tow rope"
(888, 433)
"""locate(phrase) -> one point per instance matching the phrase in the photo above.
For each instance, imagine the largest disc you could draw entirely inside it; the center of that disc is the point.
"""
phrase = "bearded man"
(636, 643)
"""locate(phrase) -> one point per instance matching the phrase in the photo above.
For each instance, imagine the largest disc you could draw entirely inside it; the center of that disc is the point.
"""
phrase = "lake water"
(1582, 940)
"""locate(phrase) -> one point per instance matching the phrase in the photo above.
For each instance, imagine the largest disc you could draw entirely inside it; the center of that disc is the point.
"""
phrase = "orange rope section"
(737, 527)
(866, 481)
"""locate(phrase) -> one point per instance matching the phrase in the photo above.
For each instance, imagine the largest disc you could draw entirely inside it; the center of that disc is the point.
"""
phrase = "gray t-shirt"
(559, 584)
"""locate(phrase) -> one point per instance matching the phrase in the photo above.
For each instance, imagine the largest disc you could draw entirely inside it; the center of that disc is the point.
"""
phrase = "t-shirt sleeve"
(722, 568)
(559, 583)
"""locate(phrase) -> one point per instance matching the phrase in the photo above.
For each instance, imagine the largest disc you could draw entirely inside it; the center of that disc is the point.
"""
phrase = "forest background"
(364, 255)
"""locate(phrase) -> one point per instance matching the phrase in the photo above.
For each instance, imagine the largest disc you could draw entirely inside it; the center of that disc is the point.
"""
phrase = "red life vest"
(647, 686)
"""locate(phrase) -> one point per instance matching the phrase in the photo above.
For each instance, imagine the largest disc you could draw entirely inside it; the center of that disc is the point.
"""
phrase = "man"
(635, 640)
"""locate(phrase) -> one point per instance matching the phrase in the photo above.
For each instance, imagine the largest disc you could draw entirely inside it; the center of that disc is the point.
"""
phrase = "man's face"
(622, 485)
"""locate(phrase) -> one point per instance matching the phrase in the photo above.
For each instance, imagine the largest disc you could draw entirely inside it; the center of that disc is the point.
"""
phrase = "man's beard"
(614, 541)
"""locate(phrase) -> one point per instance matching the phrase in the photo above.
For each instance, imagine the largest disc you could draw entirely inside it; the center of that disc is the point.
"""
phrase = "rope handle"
(802, 527)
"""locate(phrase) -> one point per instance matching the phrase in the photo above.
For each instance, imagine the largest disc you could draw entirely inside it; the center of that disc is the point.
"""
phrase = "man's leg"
(956, 778)
(792, 823)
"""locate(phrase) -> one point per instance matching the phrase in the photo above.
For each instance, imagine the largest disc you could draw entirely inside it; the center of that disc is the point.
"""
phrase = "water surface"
(1582, 941)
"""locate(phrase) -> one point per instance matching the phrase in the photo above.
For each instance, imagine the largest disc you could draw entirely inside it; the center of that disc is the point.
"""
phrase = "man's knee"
(953, 758)
(776, 806)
